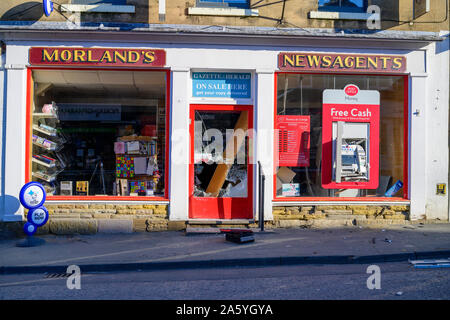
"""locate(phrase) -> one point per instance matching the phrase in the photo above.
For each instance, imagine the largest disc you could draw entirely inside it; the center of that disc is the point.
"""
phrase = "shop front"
(154, 134)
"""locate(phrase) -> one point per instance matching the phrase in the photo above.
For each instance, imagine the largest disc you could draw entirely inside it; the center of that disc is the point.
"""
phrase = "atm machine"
(350, 140)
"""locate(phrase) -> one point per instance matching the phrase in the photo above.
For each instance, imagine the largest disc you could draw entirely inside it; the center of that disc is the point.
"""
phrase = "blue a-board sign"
(38, 216)
(32, 195)
(221, 85)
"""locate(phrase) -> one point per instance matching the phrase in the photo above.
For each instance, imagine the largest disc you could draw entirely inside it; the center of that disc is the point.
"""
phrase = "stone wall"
(339, 215)
(394, 14)
(83, 218)
(86, 218)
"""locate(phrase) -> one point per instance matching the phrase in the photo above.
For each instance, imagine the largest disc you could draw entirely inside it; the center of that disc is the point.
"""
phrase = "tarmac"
(147, 251)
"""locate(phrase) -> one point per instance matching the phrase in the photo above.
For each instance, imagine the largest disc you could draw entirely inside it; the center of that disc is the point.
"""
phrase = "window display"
(332, 111)
(99, 133)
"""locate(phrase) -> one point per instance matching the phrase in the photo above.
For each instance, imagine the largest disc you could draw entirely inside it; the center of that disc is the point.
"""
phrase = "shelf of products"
(137, 170)
(47, 142)
(45, 130)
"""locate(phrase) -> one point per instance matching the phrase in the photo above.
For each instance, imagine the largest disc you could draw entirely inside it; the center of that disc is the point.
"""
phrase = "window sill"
(234, 12)
(332, 15)
(97, 8)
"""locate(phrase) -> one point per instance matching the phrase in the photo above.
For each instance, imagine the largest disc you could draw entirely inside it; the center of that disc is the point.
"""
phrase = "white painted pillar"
(2, 131)
(417, 147)
(264, 115)
(179, 145)
(14, 142)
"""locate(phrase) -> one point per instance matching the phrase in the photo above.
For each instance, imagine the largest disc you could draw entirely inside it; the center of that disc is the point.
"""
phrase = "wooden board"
(231, 150)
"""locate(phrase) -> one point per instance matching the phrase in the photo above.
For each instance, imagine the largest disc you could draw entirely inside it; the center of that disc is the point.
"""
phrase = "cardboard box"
(285, 174)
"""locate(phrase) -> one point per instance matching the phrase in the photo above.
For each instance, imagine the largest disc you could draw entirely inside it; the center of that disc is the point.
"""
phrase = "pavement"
(178, 250)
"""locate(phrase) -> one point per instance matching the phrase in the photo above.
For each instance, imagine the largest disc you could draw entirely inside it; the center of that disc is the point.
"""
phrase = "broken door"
(221, 172)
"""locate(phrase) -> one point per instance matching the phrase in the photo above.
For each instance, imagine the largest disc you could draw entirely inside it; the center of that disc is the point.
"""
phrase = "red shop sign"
(97, 57)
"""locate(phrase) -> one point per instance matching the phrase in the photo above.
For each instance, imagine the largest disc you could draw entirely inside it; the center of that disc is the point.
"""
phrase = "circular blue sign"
(38, 216)
(32, 195)
(48, 7)
(29, 229)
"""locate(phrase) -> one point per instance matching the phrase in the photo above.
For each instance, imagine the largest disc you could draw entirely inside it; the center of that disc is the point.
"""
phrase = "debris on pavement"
(238, 235)
(430, 263)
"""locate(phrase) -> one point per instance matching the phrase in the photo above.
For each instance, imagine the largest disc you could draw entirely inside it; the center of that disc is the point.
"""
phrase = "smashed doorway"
(221, 172)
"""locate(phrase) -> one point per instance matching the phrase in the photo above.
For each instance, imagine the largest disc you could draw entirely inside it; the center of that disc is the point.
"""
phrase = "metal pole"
(261, 220)
(261, 180)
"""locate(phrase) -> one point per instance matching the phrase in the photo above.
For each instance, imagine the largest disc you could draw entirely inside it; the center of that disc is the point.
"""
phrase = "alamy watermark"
(374, 280)
(374, 20)
(74, 280)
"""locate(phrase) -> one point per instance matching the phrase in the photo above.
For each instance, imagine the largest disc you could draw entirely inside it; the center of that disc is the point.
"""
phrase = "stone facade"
(116, 218)
(339, 215)
(395, 15)
(83, 218)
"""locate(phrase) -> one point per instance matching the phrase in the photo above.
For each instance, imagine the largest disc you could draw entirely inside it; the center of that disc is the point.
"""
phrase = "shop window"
(343, 5)
(99, 133)
(300, 148)
(224, 3)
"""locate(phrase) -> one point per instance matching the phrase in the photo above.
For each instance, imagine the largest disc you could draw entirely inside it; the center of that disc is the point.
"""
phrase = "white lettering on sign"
(354, 113)
(359, 113)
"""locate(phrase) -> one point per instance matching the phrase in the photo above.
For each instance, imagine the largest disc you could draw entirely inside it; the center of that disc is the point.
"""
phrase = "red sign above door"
(97, 57)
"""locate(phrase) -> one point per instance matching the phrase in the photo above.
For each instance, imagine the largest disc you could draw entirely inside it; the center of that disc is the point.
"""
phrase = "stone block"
(66, 206)
(122, 216)
(115, 226)
(73, 226)
(64, 216)
(317, 215)
(337, 212)
(79, 210)
(157, 225)
(331, 223)
(59, 211)
(333, 207)
(292, 217)
(107, 211)
(399, 208)
(149, 206)
(395, 216)
(293, 211)
(160, 211)
(361, 212)
(97, 206)
(144, 211)
(292, 223)
(341, 216)
(81, 206)
(140, 225)
(86, 215)
(101, 215)
(135, 206)
(125, 211)
(176, 225)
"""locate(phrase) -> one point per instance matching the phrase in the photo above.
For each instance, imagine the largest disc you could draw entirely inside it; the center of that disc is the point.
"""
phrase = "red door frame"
(220, 208)
(100, 198)
(405, 197)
